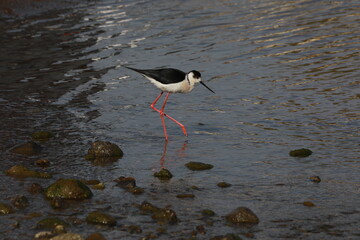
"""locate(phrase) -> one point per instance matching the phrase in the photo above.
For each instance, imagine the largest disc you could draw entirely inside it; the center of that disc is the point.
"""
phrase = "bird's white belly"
(180, 87)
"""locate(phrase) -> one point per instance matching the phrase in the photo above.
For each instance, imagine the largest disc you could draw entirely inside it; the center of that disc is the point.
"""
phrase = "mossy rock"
(165, 216)
(102, 149)
(27, 149)
(68, 236)
(229, 236)
(148, 207)
(315, 179)
(50, 223)
(308, 204)
(303, 152)
(20, 171)
(20, 202)
(101, 218)
(5, 209)
(208, 212)
(223, 185)
(198, 166)
(136, 190)
(242, 215)
(68, 189)
(96, 236)
(163, 174)
(185, 195)
(42, 136)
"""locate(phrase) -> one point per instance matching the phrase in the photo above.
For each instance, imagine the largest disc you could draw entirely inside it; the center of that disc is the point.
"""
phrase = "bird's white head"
(195, 77)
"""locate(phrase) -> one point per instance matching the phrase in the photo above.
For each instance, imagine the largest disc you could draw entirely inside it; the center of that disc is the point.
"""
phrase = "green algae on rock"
(5, 209)
(208, 212)
(68, 189)
(242, 215)
(303, 152)
(198, 166)
(42, 136)
(50, 223)
(97, 217)
(20, 171)
(27, 149)
(163, 174)
(104, 151)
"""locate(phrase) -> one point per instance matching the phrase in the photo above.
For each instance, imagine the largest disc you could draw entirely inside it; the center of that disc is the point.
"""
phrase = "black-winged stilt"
(170, 80)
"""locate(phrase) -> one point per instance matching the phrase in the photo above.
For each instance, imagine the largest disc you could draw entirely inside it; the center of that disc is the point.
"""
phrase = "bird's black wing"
(165, 75)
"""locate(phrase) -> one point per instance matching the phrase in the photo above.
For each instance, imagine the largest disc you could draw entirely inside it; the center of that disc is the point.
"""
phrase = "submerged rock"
(68, 189)
(57, 203)
(35, 188)
(148, 207)
(5, 209)
(163, 174)
(44, 235)
(68, 236)
(50, 223)
(28, 149)
(229, 236)
(20, 202)
(102, 152)
(129, 184)
(96, 236)
(242, 215)
(165, 216)
(185, 195)
(42, 163)
(20, 171)
(303, 152)
(42, 136)
(101, 218)
(208, 212)
(126, 182)
(308, 204)
(136, 190)
(161, 215)
(99, 186)
(223, 184)
(198, 166)
(316, 179)
(134, 229)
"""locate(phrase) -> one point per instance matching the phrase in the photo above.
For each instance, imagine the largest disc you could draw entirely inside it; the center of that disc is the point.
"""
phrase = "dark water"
(286, 76)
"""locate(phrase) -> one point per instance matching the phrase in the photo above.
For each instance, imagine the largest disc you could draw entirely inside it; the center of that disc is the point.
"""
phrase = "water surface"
(286, 76)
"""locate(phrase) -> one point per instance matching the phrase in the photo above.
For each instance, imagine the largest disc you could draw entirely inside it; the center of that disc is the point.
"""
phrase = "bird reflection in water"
(180, 153)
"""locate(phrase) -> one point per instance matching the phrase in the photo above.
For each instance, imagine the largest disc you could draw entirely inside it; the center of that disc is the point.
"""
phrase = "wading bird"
(170, 80)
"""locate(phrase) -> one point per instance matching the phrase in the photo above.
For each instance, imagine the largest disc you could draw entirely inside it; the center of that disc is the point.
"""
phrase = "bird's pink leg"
(155, 101)
(161, 114)
(174, 120)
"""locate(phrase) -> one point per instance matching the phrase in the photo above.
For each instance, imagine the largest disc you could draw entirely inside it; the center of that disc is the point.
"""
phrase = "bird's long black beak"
(206, 86)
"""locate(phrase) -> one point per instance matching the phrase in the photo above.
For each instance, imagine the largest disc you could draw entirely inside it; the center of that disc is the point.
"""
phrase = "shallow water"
(286, 76)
